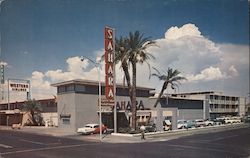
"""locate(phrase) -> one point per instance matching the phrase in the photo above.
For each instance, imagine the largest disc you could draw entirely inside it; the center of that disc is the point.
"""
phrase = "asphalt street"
(225, 144)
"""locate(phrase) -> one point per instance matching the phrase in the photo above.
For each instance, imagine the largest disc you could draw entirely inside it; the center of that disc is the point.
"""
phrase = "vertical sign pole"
(29, 93)
(8, 94)
(100, 103)
(115, 108)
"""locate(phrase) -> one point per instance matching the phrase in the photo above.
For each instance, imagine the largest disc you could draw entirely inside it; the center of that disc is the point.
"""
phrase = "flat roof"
(94, 83)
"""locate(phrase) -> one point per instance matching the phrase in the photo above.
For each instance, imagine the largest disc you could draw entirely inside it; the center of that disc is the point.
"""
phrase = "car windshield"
(182, 121)
(88, 126)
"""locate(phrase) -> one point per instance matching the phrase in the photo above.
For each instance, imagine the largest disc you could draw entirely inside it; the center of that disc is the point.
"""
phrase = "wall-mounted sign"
(109, 64)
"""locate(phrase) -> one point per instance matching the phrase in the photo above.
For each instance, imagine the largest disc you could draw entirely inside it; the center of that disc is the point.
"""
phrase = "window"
(80, 88)
(61, 89)
(70, 88)
(66, 121)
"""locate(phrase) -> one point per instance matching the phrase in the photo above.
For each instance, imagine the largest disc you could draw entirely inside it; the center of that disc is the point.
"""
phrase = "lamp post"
(97, 65)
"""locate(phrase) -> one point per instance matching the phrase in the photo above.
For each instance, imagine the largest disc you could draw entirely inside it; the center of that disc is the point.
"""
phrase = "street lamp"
(98, 66)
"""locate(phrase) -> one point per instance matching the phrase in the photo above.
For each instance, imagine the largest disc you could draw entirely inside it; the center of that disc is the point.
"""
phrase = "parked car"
(209, 122)
(92, 129)
(219, 121)
(181, 124)
(167, 125)
(150, 128)
(237, 119)
(191, 124)
(200, 123)
(246, 119)
(234, 119)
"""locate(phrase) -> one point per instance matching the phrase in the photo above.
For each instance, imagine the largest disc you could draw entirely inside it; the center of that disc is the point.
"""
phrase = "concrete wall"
(65, 106)
(188, 114)
(86, 109)
(83, 108)
(242, 106)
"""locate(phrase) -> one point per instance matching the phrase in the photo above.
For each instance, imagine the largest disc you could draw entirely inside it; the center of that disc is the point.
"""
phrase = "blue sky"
(40, 35)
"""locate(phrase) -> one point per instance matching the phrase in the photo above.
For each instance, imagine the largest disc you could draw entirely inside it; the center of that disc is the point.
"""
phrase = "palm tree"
(171, 77)
(121, 48)
(33, 107)
(133, 50)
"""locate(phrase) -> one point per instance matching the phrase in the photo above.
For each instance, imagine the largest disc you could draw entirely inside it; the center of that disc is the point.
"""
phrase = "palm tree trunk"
(127, 76)
(161, 93)
(134, 96)
(33, 118)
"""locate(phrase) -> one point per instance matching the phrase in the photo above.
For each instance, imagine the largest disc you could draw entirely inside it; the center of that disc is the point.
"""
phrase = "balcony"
(222, 110)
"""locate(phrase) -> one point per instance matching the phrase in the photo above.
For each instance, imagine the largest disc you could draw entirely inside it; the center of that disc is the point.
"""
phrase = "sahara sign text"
(109, 63)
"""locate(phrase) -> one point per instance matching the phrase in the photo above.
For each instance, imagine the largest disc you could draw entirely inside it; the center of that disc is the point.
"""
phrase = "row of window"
(90, 89)
(223, 106)
(217, 97)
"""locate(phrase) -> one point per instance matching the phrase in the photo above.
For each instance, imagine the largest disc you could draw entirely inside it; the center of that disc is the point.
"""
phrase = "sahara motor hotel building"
(77, 105)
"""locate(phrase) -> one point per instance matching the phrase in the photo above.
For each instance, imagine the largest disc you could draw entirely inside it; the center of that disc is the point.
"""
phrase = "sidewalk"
(52, 131)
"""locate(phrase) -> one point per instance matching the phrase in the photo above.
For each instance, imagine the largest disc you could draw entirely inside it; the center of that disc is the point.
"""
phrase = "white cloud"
(201, 60)
(206, 64)
(186, 30)
(207, 74)
(233, 71)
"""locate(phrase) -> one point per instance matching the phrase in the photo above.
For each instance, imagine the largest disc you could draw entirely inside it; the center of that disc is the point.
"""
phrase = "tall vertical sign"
(2, 80)
(109, 64)
(2, 74)
(110, 86)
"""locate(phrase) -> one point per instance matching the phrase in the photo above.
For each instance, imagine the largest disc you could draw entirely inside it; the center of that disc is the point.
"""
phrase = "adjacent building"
(218, 103)
(10, 113)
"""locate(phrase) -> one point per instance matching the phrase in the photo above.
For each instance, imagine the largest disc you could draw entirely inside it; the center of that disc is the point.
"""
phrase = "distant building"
(15, 115)
(219, 104)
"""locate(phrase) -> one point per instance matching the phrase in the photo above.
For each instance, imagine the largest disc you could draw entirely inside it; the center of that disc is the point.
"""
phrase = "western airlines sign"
(19, 87)
(109, 64)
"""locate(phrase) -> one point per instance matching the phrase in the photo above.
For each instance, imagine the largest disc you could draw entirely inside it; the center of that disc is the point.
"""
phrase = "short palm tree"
(33, 107)
(171, 77)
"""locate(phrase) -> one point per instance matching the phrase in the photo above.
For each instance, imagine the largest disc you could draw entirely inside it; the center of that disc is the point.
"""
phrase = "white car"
(232, 120)
(181, 124)
(199, 123)
(209, 123)
(91, 129)
(167, 125)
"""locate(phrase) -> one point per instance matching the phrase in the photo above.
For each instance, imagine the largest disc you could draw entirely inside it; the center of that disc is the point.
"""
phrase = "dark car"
(246, 119)
(150, 128)
(219, 121)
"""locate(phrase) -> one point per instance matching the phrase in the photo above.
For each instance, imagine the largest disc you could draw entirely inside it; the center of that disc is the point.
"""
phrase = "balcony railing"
(222, 110)
(224, 102)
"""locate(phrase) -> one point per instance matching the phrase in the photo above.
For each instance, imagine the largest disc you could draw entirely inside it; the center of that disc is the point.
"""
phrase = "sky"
(206, 40)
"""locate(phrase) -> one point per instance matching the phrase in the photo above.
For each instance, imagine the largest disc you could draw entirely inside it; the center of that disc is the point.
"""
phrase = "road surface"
(226, 144)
